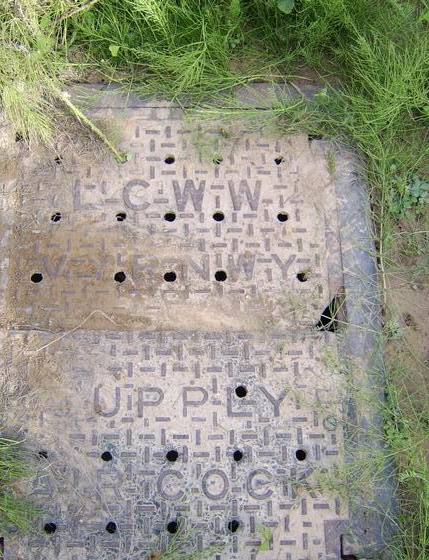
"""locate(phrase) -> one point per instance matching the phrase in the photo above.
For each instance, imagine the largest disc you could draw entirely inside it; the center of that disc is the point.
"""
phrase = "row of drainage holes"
(220, 276)
(172, 527)
(171, 216)
(171, 159)
(120, 277)
(217, 160)
(172, 455)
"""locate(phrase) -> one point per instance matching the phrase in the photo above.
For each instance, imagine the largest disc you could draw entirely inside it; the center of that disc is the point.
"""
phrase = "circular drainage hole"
(218, 216)
(233, 525)
(238, 455)
(220, 275)
(241, 391)
(169, 160)
(278, 160)
(172, 527)
(106, 456)
(56, 217)
(302, 276)
(169, 216)
(172, 455)
(300, 454)
(121, 216)
(282, 217)
(37, 277)
(120, 277)
(50, 528)
(170, 276)
(111, 527)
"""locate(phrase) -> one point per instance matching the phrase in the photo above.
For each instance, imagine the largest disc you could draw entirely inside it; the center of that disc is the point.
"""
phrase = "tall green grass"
(406, 428)
(30, 68)
(168, 48)
(34, 68)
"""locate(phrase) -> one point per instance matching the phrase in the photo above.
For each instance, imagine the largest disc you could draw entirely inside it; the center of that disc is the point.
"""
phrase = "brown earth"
(408, 312)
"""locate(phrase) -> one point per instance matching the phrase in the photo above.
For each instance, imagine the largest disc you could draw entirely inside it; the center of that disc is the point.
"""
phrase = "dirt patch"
(408, 324)
(408, 302)
(409, 305)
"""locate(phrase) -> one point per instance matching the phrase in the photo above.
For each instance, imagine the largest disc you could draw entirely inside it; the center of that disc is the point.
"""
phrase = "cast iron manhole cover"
(162, 328)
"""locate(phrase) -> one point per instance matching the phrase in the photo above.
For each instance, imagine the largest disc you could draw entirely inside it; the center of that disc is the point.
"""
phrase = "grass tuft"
(33, 65)
(15, 511)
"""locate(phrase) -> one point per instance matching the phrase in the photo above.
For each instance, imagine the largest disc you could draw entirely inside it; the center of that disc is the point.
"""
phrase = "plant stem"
(120, 157)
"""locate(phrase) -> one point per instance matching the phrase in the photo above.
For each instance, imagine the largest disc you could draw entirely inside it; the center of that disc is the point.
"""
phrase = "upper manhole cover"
(176, 239)
(161, 316)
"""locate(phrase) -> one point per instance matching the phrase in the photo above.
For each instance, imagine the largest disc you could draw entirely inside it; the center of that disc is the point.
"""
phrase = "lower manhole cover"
(172, 337)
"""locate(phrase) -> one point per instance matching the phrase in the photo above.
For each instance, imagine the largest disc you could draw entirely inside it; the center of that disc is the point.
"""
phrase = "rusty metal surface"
(136, 391)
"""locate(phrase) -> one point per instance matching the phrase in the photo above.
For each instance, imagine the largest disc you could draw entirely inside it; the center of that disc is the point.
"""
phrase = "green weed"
(162, 48)
(410, 195)
(392, 330)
